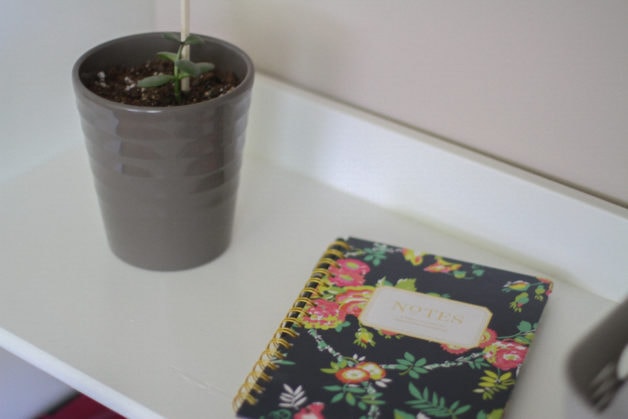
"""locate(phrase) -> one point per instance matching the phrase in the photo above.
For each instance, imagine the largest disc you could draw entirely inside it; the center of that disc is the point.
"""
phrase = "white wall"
(39, 42)
(542, 84)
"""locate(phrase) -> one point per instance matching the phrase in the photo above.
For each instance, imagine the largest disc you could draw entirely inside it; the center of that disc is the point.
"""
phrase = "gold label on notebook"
(426, 317)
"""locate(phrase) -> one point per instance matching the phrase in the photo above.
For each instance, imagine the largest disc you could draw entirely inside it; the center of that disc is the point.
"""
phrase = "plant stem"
(177, 80)
(185, 32)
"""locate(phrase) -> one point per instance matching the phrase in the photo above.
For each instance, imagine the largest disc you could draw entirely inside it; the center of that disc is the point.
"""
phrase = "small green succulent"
(183, 68)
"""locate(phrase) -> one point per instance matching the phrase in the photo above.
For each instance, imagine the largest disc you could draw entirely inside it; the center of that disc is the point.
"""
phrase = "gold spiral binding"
(287, 330)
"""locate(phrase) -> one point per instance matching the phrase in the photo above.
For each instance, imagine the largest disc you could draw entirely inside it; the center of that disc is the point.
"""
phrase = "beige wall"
(540, 84)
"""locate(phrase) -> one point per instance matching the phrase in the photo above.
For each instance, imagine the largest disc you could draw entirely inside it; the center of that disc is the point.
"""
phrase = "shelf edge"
(74, 378)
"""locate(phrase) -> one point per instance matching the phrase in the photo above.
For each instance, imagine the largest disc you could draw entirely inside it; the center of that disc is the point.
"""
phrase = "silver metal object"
(598, 368)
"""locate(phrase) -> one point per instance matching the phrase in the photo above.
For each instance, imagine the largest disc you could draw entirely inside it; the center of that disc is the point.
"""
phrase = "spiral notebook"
(381, 331)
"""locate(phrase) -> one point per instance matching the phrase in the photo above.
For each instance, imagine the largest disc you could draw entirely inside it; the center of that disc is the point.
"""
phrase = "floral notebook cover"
(383, 332)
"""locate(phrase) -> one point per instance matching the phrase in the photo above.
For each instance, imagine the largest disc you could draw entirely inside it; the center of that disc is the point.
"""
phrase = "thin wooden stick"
(185, 32)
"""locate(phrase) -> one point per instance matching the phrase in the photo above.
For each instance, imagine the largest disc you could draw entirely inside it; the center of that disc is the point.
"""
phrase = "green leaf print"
(383, 282)
(494, 414)
(524, 326)
(410, 365)
(494, 382)
(376, 254)
(406, 284)
(278, 414)
(362, 396)
(435, 405)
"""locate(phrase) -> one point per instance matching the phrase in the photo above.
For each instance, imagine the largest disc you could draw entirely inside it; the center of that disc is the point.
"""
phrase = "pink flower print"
(323, 315)
(348, 272)
(505, 355)
(488, 337)
(354, 265)
(311, 411)
(353, 301)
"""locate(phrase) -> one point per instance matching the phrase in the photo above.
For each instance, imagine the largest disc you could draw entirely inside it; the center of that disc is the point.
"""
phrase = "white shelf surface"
(178, 345)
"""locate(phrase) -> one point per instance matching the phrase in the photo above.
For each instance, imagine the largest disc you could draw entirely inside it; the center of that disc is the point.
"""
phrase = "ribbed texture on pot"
(166, 178)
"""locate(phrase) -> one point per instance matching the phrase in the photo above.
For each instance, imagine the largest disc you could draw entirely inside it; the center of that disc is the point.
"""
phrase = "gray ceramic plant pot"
(166, 177)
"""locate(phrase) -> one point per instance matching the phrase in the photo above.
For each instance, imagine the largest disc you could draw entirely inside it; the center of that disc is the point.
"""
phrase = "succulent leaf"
(193, 40)
(172, 36)
(167, 55)
(193, 69)
(155, 81)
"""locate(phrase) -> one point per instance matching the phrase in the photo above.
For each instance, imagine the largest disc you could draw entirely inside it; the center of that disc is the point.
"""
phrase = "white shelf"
(179, 345)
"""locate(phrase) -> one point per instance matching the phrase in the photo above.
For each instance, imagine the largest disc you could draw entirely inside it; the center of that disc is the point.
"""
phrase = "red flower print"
(505, 355)
(488, 337)
(323, 315)
(354, 265)
(348, 272)
(352, 375)
(311, 411)
(353, 301)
